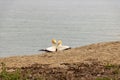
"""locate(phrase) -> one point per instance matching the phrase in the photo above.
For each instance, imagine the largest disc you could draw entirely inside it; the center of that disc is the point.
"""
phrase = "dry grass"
(103, 52)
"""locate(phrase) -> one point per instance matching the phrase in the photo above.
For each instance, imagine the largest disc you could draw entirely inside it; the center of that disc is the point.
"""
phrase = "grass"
(110, 66)
(9, 76)
(111, 72)
(16, 75)
(115, 70)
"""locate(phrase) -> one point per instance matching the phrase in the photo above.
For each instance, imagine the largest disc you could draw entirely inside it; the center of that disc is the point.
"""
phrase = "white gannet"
(62, 47)
(52, 48)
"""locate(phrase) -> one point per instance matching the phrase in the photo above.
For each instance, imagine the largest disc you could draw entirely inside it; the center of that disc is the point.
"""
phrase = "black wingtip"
(68, 48)
(44, 50)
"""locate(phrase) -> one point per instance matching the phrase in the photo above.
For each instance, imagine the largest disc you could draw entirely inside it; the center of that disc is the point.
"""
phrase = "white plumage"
(56, 46)
(62, 47)
(52, 48)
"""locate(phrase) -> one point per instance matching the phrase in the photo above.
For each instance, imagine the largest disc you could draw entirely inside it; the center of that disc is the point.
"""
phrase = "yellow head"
(60, 42)
(54, 41)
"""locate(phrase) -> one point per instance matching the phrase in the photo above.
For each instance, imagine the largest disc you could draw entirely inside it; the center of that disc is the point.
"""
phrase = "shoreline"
(103, 52)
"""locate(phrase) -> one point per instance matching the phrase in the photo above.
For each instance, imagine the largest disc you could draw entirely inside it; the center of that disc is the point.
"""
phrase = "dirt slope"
(104, 52)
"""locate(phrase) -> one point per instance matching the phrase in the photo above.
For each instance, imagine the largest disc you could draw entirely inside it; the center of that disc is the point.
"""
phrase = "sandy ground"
(103, 52)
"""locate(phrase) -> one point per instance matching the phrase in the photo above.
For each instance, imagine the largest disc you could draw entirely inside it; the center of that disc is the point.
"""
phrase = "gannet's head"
(60, 42)
(54, 41)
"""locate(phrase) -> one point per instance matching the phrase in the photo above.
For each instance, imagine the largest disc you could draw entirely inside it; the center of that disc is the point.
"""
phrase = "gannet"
(62, 47)
(52, 48)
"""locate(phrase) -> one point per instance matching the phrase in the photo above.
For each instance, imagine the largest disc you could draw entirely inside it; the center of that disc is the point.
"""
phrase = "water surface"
(28, 25)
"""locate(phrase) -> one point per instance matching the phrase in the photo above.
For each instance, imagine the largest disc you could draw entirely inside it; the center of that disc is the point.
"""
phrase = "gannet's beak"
(54, 41)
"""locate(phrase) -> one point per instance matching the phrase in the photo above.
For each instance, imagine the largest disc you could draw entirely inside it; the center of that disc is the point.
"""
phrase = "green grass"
(110, 66)
(16, 75)
(115, 72)
(115, 68)
(19, 74)
(9, 76)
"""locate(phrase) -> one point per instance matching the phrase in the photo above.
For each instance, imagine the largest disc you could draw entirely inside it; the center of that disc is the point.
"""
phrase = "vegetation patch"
(93, 70)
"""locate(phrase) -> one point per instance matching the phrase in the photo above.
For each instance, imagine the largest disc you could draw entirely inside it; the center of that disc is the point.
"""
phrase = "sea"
(26, 26)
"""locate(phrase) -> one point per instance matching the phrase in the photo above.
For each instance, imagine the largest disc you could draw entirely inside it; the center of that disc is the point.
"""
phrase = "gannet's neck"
(59, 45)
(54, 45)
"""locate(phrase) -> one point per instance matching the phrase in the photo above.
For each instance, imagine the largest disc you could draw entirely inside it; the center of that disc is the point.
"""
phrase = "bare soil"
(92, 70)
(99, 61)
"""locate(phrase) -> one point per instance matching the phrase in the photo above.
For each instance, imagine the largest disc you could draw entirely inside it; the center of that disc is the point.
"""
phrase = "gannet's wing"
(66, 47)
(63, 48)
(52, 49)
(49, 49)
(44, 50)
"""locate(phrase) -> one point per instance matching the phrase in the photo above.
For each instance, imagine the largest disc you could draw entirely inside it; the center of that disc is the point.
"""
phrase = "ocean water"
(29, 25)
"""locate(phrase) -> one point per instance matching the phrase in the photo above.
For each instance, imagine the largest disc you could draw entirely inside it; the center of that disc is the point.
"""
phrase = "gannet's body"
(52, 48)
(60, 47)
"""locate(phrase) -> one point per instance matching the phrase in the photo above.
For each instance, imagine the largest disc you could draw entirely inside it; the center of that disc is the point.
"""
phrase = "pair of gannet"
(56, 46)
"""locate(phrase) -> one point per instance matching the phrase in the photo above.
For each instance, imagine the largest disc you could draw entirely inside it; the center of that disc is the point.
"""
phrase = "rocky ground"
(93, 62)
(89, 70)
